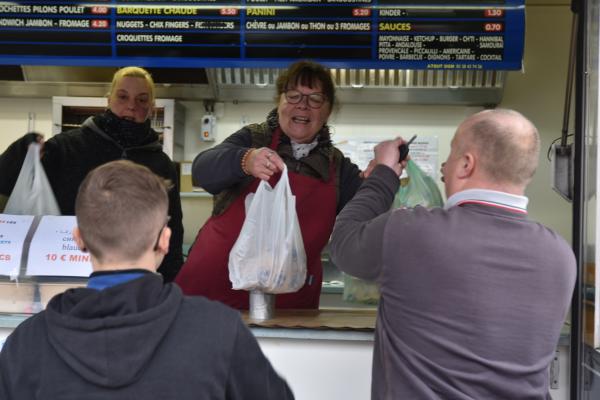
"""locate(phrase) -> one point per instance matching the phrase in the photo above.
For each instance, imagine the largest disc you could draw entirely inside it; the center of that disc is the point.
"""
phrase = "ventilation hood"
(374, 86)
(355, 86)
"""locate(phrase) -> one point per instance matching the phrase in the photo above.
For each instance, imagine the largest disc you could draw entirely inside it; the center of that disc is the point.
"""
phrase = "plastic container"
(360, 291)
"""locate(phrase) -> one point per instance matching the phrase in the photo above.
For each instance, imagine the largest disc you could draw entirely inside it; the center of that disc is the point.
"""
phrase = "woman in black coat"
(121, 132)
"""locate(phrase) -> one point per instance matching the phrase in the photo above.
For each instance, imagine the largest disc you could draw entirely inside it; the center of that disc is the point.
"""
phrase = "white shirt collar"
(302, 149)
(489, 197)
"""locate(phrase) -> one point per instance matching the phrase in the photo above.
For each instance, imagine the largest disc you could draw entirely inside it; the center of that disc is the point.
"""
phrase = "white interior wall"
(14, 118)
(539, 93)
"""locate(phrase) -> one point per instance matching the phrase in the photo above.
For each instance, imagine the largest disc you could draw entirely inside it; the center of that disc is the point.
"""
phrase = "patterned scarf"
(302, 149)
(127, 133)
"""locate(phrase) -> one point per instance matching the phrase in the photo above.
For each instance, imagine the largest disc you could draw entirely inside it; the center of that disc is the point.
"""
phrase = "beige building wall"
(539, 93)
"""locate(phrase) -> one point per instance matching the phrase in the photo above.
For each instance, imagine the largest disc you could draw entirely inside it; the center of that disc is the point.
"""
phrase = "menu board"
(434, 34)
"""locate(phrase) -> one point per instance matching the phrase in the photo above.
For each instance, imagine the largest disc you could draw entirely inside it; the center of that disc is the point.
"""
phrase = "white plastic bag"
(269, 253)
(32, 194)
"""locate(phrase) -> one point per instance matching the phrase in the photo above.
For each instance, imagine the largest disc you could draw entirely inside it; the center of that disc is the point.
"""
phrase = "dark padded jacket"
(69, 156)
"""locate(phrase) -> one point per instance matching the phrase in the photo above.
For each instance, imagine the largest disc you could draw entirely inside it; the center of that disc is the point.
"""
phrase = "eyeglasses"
(315, 100)
(160, 232)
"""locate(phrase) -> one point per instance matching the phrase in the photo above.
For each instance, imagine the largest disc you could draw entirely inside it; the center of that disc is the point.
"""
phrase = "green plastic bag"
(419, 189)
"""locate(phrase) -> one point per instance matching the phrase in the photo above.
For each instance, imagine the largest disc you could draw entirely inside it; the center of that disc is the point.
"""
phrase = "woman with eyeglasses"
(122, 131)
(322, 179)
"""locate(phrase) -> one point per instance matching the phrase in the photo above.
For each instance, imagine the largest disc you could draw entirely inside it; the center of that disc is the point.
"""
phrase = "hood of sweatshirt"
(109, 336)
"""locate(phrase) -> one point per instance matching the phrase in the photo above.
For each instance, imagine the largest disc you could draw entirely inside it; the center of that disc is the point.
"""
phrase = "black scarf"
(127, 133)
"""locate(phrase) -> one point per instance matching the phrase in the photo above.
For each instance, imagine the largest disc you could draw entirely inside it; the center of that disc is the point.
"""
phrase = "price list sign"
(434, 34)
(13, 231)
(53, 251)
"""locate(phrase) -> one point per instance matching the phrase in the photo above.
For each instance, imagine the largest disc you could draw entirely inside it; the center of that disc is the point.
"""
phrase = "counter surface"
(337, 319)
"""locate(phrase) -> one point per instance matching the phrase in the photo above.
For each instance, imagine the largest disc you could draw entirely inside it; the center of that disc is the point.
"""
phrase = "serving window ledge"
(322, 324)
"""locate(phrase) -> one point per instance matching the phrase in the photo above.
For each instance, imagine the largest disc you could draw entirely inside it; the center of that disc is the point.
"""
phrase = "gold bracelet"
(244, 159)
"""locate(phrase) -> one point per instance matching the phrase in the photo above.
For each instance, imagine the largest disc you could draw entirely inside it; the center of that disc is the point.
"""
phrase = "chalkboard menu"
(399, 34)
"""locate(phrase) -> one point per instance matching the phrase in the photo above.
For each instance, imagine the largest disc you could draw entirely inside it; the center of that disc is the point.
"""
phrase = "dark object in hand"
(404, 148)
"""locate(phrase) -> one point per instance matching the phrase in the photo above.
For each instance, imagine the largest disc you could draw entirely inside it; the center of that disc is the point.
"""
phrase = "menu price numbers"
(229, 11)
(99, 10)
(493, 13)
(5, 257)
(361, 12)
(99, 23)
(493, 27)
(67, 257)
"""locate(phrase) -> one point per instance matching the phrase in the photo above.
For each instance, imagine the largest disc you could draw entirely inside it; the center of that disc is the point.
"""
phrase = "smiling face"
(300, 121)
(131, 99)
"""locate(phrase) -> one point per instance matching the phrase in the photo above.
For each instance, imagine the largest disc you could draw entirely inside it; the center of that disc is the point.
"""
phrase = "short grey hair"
(507, 143)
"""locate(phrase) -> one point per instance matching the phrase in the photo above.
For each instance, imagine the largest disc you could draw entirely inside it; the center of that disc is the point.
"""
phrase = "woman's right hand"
(263, 162)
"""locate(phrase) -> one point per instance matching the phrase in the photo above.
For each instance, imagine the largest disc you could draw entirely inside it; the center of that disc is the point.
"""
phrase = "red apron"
(206, 272)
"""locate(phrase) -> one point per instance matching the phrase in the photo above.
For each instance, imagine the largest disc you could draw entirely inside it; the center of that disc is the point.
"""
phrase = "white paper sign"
(13, 230)
(423, 151)
(53, 250)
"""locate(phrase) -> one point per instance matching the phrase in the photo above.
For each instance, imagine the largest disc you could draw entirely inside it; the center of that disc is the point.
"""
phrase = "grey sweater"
(473, 297)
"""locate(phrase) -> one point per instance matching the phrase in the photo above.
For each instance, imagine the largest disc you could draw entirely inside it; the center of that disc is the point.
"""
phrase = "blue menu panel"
(395, 34)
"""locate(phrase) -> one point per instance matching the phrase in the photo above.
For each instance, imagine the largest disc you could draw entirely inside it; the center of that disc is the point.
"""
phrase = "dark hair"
(307, 73)
(121, 207)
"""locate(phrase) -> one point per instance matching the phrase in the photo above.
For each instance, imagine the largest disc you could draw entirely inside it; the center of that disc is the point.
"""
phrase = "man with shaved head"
(473, 295)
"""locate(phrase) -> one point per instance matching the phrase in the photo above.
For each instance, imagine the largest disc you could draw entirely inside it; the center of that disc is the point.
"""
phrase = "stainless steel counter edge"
(12, 320)
(195, 194)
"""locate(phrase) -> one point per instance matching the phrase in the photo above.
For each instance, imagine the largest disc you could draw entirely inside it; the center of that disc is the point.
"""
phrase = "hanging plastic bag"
(418, 189)
(32, 194)
(269, 253)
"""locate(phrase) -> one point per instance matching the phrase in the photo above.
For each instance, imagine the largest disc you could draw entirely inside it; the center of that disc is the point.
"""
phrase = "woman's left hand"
(365, 174)
(262, 163)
